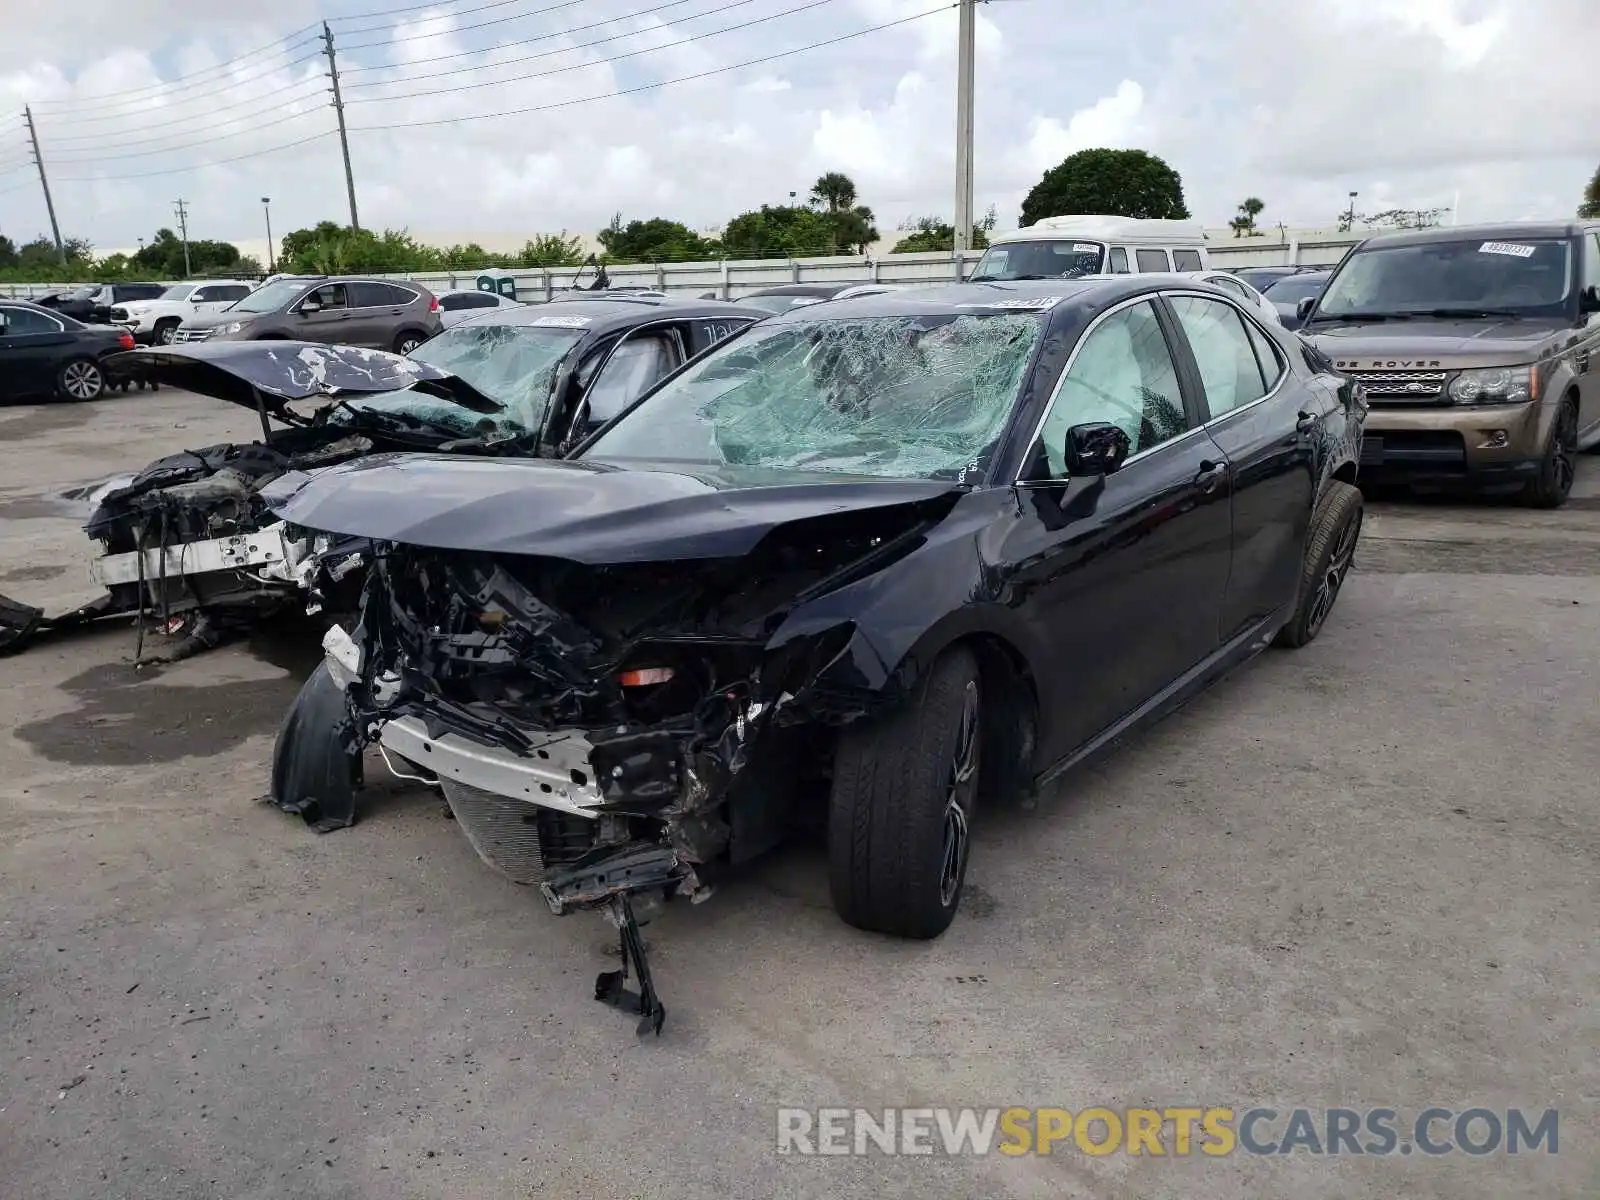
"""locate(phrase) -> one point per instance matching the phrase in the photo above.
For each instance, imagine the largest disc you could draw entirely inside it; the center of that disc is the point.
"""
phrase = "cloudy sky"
(476, 118)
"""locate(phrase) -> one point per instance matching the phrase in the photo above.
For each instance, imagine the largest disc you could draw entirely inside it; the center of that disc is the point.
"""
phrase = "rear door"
(32, 348)
(1588, 354)
(374, 315)
(1263, 418)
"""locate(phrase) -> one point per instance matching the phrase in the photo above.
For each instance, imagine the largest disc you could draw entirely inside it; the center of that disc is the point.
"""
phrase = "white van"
(1058, 247)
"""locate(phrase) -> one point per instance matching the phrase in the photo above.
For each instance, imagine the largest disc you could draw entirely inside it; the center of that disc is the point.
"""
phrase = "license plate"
(1371, 450)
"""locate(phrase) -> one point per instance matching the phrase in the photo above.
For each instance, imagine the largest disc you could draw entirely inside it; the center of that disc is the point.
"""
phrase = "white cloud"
(1405, 101)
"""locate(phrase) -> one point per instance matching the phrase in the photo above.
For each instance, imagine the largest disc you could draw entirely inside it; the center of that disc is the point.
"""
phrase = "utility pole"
(179, 206)
(344, 137)
(964, 60)
(49, 204)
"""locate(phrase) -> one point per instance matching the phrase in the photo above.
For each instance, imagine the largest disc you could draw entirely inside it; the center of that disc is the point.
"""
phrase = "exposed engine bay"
(618, 734)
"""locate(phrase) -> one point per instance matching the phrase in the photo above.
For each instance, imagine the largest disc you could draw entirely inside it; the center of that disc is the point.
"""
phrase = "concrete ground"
(1358, 875)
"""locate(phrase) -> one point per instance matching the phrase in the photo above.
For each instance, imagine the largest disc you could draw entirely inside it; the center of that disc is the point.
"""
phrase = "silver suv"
(379, 313)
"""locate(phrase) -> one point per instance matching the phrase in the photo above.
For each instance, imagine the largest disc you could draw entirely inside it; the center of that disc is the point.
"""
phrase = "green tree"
(782, 231)
(1244, 225)
(849, 224)
(551, 250)
(1122, 183)
(834, 192)
(655, 240)
(926, 235)
(8, 252)
(113, 266)
(39, 257)
(1590, 208)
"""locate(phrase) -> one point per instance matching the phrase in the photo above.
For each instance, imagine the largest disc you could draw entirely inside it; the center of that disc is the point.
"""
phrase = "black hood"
(279, 372)
(587, 512)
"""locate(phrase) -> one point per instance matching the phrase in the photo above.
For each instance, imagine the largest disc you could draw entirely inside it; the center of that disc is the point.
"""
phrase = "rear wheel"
(1330, 551)
(407, 342)
(900, 815)
(81, 379)
(1551, 487)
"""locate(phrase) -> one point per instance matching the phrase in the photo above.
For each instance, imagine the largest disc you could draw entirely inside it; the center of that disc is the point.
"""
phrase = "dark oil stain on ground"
(29, 574)
(128, 716)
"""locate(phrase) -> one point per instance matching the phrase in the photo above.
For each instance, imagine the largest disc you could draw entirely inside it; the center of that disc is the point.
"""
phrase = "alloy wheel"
(1564, 450)
(959, 796)
(1344, 552)
(167, 334)
(82, 381)
(407, 345)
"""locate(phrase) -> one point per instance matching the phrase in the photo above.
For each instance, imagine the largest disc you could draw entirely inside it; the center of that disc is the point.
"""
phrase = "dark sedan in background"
(47, 353)
(894, 556)
(1286, 294)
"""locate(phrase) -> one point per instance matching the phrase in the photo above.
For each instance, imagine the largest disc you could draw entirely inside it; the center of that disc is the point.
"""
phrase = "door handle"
(1211, 475)
(1305, 422)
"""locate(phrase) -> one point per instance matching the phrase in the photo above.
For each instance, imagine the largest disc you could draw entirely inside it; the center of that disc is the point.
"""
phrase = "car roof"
(1050, 296)
(1499, 231)
(801, 289)
(604, 316)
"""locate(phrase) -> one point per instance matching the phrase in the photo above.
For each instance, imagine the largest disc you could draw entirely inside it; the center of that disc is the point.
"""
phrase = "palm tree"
(1244, 225)
(834, 191)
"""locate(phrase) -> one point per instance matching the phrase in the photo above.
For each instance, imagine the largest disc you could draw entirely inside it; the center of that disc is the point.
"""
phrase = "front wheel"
(81, 379)
(900, 815)
(166, 333)
(1335, 530)
(1557, 469)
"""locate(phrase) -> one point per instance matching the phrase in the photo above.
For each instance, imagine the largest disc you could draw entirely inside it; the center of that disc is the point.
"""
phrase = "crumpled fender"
(316, 761)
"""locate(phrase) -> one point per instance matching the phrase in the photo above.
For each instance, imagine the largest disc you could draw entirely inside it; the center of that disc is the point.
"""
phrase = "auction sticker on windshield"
(1020, 304)
(561, 322)
(1511, 248)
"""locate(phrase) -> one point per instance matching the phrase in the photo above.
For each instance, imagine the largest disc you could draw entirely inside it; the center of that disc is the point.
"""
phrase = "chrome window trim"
(51, 317)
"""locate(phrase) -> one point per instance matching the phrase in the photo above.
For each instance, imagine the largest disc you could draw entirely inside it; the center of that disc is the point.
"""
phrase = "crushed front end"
(616, 734)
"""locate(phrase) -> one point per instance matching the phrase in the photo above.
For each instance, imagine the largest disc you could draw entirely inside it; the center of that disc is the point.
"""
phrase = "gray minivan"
(382, 314)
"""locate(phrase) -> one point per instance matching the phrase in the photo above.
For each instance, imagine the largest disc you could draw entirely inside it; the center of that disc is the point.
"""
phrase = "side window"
(25, 320)
(368, 295)
(705, 334)
(1151, 260)
(1591, 260)
(1268, 357)
(1222, 350)
(329, 295)
(230, 292)
(202, 295)
(1121, 373)
(394, 294)
(1186, 260)
(1119, 261)
(1229, 284)
(634, 366)
(460, 300)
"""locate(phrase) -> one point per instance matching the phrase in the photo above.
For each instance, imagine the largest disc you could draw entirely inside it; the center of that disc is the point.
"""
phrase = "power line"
(87, 156)
(273, 104)
(466, 87)
(436, 6)
(414, 37)
(221, 162)
(181, 96)
(190, 78)
(543, 37)
(646, 87)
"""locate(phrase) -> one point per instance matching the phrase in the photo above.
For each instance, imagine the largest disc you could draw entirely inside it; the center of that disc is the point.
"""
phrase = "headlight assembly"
(1495, 385)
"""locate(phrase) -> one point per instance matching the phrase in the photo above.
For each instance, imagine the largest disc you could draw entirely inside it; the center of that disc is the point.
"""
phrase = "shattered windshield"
(1039, 260)
(511, 364)
(1524, 277)
(900, 397)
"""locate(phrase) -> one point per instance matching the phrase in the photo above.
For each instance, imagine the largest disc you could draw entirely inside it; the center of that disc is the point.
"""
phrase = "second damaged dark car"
(892, 557)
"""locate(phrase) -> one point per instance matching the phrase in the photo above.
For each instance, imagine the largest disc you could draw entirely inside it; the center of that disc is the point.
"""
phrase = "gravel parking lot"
(1359, 875)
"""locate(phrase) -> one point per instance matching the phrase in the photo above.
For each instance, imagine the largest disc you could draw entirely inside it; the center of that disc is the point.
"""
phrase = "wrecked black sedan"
(891, 557)
(189, 537)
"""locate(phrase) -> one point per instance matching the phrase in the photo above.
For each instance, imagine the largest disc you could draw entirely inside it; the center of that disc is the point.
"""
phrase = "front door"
(1120, 579)
(329, 319)
(32, 348)
(1254, 413)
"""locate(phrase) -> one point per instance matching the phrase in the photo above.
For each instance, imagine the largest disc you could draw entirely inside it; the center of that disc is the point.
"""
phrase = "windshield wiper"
(1361, 316)
(1470, 312)
(981, 279)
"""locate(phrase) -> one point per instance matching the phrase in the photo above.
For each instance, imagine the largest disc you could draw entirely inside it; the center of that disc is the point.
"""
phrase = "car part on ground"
(47, 353)
(907, 552)
(1478, 348)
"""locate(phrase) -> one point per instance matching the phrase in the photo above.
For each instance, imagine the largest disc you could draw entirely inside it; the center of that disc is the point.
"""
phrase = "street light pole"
(1350, 217)
(967, 33)
(266, 202)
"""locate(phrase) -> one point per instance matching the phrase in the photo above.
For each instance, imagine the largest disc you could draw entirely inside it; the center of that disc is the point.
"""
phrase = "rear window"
(460, 300)
(1186, 260)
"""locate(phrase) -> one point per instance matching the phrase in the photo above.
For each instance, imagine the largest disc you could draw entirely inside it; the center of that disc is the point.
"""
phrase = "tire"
(81, 379)
(900, 813)
(165, 332)
(1335, 531)
(1551, 487)
(407, 342)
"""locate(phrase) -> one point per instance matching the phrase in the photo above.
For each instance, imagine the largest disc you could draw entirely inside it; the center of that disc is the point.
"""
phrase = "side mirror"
(1303, 309)
(309, 306)
(3, 323)
(1096, 448)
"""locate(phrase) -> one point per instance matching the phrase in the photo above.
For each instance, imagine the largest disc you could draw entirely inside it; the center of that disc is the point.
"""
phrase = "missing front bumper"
(267, 552)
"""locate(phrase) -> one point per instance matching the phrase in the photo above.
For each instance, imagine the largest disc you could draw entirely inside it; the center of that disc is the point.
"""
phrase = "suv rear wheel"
(900, 815)
(1553, 484)
(407, 342)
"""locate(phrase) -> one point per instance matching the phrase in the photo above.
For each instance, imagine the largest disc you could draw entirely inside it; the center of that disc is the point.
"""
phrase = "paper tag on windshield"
(1085, 248)
(1020, 303)
(561, 322)
(1514, 249)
